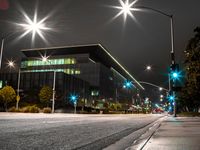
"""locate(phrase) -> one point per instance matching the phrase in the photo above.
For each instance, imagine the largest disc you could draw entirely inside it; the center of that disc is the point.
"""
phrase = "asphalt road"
(67, 131)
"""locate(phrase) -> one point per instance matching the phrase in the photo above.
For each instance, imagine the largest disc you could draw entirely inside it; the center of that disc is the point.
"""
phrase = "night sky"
(134, 44)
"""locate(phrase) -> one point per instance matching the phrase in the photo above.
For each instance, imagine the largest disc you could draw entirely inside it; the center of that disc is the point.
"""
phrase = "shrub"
(25, 109)
(31, 109)
(34, 109)
(47, 110)
(13, 109)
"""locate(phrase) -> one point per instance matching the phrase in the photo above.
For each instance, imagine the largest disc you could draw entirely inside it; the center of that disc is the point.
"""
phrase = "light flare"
(34, 26)
(73, 98)
(126, 9)
(11, 63)
(148, 67)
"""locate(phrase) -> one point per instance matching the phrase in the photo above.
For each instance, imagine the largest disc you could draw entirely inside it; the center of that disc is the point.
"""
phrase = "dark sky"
(133, 44)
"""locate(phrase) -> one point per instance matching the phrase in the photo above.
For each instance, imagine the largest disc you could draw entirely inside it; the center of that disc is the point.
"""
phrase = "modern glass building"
(88, 71)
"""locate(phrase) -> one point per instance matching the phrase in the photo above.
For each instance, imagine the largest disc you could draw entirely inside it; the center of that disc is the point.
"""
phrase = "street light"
(45, 59)
(148, 68)
(33, 26)
(11, 64)
(126, 8)
(154, 85)
(2, 46)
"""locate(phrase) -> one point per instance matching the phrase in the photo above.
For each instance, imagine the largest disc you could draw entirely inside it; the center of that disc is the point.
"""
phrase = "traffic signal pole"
(173, 64)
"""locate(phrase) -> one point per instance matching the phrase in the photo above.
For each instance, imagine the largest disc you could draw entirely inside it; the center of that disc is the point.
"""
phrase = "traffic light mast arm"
(142, 82)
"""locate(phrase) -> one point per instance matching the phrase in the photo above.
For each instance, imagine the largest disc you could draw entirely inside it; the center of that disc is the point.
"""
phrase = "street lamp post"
(172, 43)
(11, 64)
(149, 68)
(33, 26)
(171, 27)
(74, 99)
(126, 9)
(45, 59)
(75, 108)
(18, 85)
(151, 84)
(54, 92)
(2, 44)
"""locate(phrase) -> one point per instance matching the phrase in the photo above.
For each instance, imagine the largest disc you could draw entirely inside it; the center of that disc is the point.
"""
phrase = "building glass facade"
(85, 70)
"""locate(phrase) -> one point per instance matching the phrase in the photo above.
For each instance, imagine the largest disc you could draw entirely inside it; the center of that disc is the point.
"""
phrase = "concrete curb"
(138, 137)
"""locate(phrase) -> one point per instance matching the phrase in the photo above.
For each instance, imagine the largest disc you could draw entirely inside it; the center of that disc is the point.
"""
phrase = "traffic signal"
(128, 84)
(171, 96)
(73, 98)
(174, 71)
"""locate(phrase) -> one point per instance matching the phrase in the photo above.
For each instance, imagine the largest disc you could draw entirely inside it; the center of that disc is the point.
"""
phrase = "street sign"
(18, 98)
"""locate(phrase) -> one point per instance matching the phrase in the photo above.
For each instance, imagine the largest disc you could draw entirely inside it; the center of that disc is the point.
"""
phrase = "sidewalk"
(181, 133)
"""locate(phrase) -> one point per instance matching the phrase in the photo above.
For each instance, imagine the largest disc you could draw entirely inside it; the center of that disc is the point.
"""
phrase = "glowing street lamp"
(44, 58)
(34, 26)
(126, 8)
(160, 88)
(11, 64)
(148, 68)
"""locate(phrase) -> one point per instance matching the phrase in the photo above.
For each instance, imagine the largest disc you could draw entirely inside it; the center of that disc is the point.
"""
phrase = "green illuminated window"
(1, 84)
(67, 71)
(61, 61)
(72, 71)
(94, 93)
(77, 72)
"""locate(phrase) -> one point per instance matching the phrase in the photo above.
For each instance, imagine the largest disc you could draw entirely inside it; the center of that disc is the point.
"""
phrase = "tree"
(7, 94)
(45, 94)
(190, 95)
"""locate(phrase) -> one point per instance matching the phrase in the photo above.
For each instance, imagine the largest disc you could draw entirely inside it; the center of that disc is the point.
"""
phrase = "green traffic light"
(175, 75)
